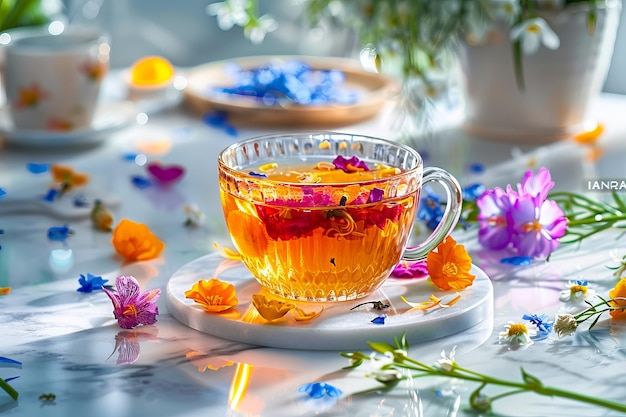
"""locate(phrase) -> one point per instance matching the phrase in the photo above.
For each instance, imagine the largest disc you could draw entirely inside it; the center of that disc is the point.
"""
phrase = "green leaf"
(531, 380)
(381, 347)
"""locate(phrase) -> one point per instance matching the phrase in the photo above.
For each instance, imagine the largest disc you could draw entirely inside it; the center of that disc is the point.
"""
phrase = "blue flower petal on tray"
(516, 260)
(2, 192)
(51, 195)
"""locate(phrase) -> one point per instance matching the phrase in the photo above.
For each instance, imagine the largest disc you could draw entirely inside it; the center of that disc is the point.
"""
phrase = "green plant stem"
(468, 375)
(9, 389)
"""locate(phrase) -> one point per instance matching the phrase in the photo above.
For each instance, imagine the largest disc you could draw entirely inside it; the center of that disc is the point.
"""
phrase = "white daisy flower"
(532, 33)
(517, 334)
(576, 292)
(256, 31)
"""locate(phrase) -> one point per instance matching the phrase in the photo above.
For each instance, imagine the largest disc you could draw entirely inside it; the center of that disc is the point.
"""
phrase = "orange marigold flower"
(618, 292)
(67, 176)
(213, 295)
(449, 266)
(135, 241)
(5, 290)
(271, 309)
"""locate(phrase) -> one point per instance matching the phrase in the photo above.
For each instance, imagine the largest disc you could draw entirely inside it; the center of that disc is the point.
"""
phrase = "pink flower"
(410, 270)
(131, 307)
(537, 186)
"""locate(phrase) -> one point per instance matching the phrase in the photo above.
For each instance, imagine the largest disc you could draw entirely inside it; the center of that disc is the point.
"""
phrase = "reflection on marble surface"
(71, 346)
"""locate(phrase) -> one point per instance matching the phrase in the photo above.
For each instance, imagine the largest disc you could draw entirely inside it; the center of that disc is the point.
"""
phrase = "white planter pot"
(559, 84)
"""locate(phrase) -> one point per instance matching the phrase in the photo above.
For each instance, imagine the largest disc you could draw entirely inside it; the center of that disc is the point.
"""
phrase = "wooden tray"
(373, 90)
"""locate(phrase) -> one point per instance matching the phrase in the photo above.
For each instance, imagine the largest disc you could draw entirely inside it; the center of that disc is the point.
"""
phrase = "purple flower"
(376, 195)
(131, 307)
(495, 229)
(410, 270)
(350, 165)
(537, 226)
(90, 283)
(319, 390)
(536, 186)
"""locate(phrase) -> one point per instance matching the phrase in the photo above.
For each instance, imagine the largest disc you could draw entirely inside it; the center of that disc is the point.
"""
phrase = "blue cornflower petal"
(36, 168)
(2, 192)
(130, 157)
(59, 233)
(10, 379)
(90, 283)
(582, 283)
(215, 119)
(472, 192)
(379, 319)
(430, 210)
(544, 327)
(477, 168)
(51, 195)
(10, 361)
(320, 389)
(257, 174)
(516, 260)
(80, 201)
(141, 182)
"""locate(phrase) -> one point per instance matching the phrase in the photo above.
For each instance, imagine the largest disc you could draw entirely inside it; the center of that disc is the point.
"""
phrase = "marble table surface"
(70, 345)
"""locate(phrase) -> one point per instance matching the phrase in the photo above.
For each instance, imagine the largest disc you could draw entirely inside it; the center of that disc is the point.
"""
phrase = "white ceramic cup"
(52, 82)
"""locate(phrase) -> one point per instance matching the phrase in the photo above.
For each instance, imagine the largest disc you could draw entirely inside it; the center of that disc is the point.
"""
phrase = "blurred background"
(187, 35)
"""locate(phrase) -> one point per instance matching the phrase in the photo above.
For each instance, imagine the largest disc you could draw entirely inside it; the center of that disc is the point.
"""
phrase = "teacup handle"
(450, 216)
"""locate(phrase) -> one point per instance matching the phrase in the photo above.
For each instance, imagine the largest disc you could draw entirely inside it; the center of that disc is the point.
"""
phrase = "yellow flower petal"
(227, 252)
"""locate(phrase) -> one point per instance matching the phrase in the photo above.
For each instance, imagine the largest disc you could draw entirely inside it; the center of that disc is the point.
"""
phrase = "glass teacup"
(326, 216)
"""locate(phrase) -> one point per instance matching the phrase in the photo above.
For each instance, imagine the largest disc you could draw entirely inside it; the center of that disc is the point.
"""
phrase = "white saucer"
(108, 118)
(338, 327)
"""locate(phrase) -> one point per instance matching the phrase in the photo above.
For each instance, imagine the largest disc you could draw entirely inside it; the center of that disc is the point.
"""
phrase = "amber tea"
(319, 219)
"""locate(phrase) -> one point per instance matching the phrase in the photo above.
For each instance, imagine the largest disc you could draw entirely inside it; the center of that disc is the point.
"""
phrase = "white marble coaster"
(338, 327)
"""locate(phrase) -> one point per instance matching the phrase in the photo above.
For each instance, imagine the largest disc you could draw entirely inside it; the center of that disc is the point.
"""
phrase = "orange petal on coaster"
(5, 290)
(591, 134)
(155, 147)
